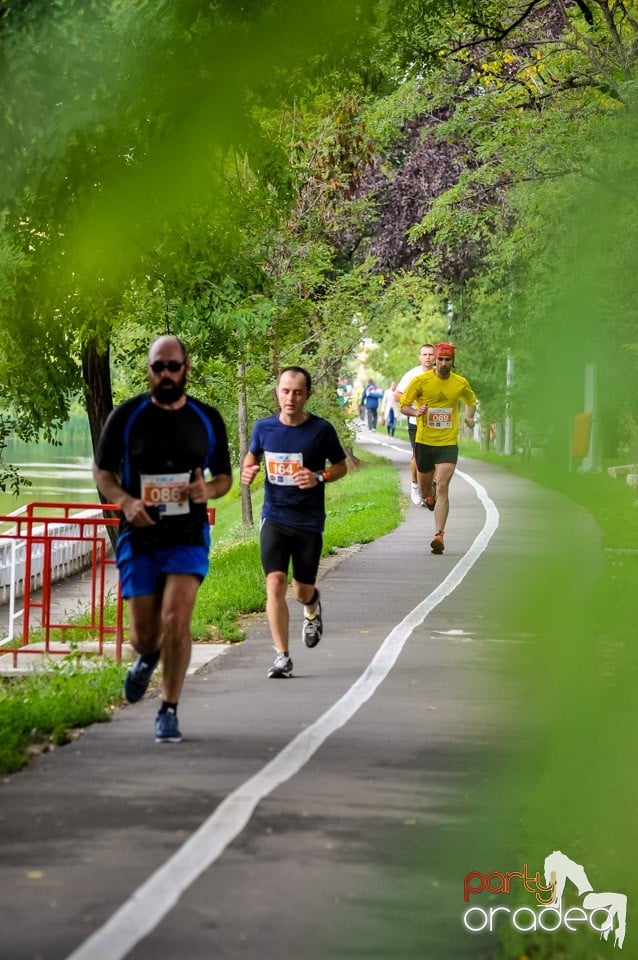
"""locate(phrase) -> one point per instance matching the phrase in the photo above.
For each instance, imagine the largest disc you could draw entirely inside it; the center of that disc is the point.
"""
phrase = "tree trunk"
(242, 423)
(98, 393)
(98, 398)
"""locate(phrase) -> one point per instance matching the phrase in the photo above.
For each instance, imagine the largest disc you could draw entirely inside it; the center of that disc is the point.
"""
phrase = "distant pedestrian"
(371, 397)
(295, 445)
(344, 391)
(390, 409)
(151, 461)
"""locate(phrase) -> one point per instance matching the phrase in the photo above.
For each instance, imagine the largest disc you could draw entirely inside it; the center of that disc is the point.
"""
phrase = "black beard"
(169, 392)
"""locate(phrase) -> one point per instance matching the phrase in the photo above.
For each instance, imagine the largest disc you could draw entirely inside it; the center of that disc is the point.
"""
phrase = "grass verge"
(573, 781)
(37, 712)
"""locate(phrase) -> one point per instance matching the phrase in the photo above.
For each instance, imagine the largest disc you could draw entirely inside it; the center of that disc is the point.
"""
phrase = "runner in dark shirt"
(162, 455)
(294, 446)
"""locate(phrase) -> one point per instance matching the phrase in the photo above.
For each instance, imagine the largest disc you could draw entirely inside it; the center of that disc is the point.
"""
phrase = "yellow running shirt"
(439, 425)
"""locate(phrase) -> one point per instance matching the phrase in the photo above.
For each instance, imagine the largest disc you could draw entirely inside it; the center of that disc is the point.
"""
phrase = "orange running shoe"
(437, 544)
(429, 502)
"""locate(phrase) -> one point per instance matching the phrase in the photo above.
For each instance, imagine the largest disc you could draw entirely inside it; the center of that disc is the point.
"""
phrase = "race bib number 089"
(282, 467)
(167, 492)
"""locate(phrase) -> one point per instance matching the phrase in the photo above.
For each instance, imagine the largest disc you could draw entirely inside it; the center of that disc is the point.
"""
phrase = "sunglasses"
(172, 366)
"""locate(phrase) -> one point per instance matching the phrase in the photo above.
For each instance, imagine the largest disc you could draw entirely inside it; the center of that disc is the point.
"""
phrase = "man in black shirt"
(162, 455)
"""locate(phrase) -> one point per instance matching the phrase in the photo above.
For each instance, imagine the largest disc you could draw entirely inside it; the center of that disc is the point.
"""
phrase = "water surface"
(59, 474)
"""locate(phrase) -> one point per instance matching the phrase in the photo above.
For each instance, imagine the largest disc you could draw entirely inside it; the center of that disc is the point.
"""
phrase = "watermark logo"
(603, 912)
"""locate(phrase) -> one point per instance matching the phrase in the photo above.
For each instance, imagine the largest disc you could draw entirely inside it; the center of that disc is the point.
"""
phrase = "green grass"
(612, 502)
(574, 784)
(39, 711)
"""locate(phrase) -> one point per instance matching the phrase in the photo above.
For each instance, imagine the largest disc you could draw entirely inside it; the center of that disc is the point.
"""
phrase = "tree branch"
(502, 33)
(586, 12)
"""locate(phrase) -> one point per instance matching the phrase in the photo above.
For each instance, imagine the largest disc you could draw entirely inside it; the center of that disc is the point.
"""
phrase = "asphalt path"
(331, 815)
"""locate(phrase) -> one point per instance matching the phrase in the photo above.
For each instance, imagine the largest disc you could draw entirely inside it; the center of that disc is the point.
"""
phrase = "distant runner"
(426, 362)
(433, 398)
(294, 445)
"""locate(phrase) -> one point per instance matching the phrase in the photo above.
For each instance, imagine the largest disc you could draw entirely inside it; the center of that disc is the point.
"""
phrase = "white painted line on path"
(379, 442)
(150, 903)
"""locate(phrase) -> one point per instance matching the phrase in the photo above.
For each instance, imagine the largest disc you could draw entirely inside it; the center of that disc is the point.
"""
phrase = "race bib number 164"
(281, 467)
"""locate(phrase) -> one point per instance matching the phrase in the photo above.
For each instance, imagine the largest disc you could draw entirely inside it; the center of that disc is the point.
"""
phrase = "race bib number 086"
(167, 492)
(282, 467)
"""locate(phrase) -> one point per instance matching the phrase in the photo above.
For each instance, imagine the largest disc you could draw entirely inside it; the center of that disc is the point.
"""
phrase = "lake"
(58, 474)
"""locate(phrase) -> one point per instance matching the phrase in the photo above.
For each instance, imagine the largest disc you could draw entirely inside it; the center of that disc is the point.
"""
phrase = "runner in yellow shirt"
(433, 398)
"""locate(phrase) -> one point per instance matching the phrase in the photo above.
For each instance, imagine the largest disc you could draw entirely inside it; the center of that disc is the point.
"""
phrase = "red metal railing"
(48, 524)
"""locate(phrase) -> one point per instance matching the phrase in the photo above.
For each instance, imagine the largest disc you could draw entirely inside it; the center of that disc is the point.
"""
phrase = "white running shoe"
(282, 667)
(415, 496)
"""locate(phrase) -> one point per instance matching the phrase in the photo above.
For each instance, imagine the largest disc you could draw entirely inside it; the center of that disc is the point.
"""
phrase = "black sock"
(166, 706)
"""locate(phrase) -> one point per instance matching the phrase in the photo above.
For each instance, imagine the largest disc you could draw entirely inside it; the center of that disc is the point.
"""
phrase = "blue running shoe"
(166, 729)
(139, 676)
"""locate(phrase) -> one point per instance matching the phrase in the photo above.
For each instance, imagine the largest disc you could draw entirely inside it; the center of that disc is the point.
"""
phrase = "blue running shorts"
(143, 574)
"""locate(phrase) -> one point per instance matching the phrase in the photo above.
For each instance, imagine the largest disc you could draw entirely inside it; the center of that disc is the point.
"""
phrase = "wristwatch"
(320, 477)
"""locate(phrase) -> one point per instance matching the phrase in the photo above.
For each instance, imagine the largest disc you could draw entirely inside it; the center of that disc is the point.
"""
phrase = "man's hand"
(197, 489)
(305, 478)
(135, 512)
(249, 472)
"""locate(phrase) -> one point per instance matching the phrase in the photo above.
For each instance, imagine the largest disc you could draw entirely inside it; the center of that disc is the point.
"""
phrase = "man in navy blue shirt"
(161, 456)
(294, 446)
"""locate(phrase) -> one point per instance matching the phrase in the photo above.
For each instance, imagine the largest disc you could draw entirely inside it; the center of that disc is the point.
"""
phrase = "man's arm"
(250, 468)
(410, 411)
(408, 406)
(336, 471)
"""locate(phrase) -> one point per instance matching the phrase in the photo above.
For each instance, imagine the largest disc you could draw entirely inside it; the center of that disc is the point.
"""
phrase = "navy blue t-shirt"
(282, 448)
(141, 438)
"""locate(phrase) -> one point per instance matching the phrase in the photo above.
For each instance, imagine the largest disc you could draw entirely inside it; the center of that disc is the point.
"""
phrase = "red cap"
(444, 350)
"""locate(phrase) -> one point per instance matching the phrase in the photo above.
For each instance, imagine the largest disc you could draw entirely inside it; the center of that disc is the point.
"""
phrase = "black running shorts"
(428, 456)
(280, 543)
